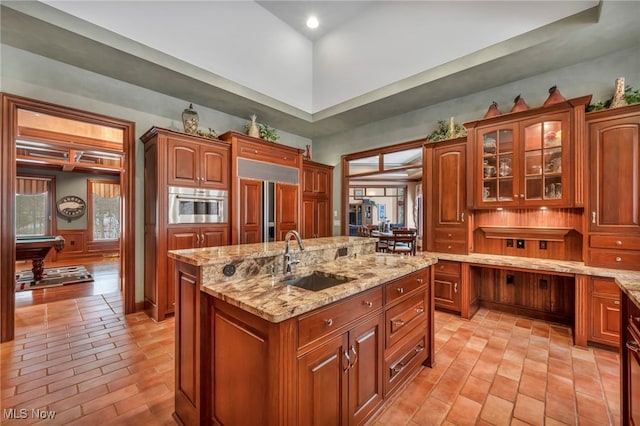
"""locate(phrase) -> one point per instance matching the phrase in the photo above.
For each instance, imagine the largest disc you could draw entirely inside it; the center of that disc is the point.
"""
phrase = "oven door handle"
(195, 198)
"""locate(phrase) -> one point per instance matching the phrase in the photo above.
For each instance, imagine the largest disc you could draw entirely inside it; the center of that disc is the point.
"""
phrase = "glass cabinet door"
(543, 156)
(498, 184)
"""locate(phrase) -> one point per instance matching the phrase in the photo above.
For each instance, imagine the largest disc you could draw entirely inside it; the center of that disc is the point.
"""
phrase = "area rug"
(52, 277)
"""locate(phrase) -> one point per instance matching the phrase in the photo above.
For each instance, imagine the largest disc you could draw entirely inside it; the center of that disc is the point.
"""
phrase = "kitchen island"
(251, 349)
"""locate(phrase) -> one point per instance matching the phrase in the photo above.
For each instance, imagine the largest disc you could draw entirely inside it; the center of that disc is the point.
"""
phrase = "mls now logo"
(23, 413)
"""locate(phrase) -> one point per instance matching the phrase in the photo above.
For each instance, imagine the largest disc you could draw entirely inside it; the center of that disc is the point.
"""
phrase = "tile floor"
(87, 363)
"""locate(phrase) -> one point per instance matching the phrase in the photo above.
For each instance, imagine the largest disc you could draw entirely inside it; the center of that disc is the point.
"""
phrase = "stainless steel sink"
(316, 280)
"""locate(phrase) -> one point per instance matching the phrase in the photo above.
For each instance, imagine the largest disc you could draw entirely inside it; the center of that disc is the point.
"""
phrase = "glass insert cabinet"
(523, 163)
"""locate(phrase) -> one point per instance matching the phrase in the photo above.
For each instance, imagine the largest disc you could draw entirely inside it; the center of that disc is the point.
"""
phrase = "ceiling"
(46, 31)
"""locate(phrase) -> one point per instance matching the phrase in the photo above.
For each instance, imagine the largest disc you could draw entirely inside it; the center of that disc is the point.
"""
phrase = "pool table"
(36, 249)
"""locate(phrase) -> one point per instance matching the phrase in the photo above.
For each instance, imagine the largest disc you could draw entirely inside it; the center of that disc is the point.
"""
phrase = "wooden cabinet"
(317, 184)
(630, 362)
(340, 382)
(266, 176)
(614, 198)
(408, 314)
(334, 365)
(605, 312)
(447, 285)
(174, 158)
(196, 164)
(528, 158)
(446, 186)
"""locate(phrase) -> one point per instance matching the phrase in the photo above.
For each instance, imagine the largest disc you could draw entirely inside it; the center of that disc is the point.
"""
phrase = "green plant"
(447, 131)
(630, 95)
(268, 133)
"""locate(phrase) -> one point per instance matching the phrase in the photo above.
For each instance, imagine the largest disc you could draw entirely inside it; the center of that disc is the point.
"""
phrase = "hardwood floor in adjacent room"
(90, 364)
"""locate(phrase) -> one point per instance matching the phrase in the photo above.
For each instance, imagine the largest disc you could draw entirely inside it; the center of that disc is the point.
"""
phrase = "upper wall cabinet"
(532, 158)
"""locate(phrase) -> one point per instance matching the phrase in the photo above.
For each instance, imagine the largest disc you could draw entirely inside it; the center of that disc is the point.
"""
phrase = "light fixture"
(312, 22)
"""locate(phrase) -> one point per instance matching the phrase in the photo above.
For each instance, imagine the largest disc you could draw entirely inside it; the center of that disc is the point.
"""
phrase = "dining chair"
(404, 242)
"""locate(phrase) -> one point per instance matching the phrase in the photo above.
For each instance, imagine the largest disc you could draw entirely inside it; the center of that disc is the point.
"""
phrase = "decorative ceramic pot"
(190, 120)
(254, 131)
(519, 104)
(554, 97)
(493, 110)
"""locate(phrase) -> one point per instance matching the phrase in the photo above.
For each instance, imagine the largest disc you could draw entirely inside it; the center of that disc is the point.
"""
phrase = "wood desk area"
(36, 249)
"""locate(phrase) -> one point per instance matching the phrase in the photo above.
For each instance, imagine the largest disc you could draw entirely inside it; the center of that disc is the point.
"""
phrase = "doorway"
(53, 137)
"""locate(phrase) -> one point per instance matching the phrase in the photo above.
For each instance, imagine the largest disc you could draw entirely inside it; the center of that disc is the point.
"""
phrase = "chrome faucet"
(288, 260)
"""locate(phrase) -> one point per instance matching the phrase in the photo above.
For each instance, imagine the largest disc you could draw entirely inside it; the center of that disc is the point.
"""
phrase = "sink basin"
(316, 281)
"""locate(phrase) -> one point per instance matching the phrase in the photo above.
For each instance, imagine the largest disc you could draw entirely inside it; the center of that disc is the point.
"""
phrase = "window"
(104, 204)
(33, 206)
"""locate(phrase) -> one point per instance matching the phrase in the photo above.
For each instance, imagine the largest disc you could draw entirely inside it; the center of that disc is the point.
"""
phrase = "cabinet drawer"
(606, 286)
(615, 242)
(404, 317)
(404, 360)
(318, 323)
(400, 287)
(272, 154)
(450, 246)
(448, 234)
(447, 267)
(618, 259)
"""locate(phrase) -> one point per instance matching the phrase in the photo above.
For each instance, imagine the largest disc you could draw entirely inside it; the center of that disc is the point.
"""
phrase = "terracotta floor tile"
(497, 411)
(529, 410)
(93, 365)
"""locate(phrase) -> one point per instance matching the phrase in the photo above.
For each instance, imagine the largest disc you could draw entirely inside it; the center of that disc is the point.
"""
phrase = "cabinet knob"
(420, 280)
(618, 259)
(420, 309)
(521, 195)
(618, 243)
(400, 290)
(449, 246)
(616, 302)
(368, 303)
(515, 196)
(449, 235)
(398, 323)
(328, 322)
(455, 287)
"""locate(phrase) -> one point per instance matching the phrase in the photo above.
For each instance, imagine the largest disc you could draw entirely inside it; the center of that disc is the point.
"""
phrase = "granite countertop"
(267, 297)
(208, 256)
(628, 281)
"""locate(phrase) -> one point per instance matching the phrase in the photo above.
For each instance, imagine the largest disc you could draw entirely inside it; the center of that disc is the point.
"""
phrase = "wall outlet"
(509, 242)
(520, 244)
(342, 251)
(543, 245)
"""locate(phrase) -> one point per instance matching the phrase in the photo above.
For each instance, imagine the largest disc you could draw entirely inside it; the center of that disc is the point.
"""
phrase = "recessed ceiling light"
(312, 22)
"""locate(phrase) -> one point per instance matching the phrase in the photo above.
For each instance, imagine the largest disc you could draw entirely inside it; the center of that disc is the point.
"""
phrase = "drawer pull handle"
(419, 348)
(420, 280)
(328, 322)
(616, 302)
(368, 304)
(355, 356)
(618, 259)
(398, 323)
(633, 346)
(455, 287)
(397, 369)
(442, 267)
(400, 290)
(593, 217)
(420, 309)
(618, 243)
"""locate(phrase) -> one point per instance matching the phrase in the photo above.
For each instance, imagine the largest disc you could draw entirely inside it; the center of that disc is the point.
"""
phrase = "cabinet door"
(214, 236)
(545, 167)
(446, 292)
(322, 182)
(606, 320)
(308, 228)
(250, 211)
(308, 180)
(214, 167)
(365, 374)
(450, 190)
(287, 202)
(324, 223)
(177, 238)
(322, 384)
(182, 163)
(615, 175)
(497, 147)
(632, 395)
